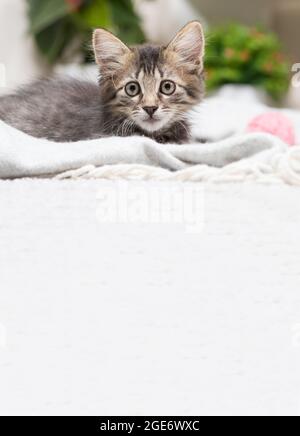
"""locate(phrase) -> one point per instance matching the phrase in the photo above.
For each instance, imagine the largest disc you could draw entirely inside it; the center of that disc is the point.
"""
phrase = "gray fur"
(64, 110)
(68, 110)
(59, 110)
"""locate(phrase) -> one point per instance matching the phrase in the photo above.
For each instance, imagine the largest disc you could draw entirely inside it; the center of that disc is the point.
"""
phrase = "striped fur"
(70, 110)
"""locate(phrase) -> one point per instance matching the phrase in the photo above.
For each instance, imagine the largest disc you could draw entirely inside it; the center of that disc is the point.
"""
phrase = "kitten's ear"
(189, 45)
(110, 51)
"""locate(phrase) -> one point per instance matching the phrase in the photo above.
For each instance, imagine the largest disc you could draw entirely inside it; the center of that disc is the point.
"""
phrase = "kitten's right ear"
(110, 51)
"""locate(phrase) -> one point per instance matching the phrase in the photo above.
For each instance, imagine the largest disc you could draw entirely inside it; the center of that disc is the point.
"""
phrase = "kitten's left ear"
(189, 45)
(110, 52)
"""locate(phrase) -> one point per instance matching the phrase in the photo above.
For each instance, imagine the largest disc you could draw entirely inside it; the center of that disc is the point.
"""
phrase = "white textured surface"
(147, 319)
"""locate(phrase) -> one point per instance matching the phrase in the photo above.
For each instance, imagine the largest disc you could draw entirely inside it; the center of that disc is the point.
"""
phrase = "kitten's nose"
(150, 110)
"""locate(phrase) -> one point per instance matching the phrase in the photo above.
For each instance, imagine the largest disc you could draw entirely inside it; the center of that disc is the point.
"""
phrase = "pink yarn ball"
(276, 124)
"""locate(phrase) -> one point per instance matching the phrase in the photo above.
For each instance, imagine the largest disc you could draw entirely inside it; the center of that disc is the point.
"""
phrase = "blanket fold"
(24, 156)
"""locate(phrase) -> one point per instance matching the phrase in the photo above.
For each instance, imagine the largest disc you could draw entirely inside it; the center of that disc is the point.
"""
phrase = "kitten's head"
(151, 86)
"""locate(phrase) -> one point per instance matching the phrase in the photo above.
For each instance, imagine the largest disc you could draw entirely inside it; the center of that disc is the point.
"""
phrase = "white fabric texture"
(228, 155)
(147, 319)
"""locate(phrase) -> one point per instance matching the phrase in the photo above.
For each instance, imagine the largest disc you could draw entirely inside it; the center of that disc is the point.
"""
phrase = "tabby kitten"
(144, 90)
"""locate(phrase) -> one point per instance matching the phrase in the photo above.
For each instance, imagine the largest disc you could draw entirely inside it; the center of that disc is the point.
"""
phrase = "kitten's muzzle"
(150, 110)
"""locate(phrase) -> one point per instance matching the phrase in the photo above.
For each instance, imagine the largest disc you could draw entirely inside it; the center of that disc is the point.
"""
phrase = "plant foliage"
(242, 55)
(55, 24)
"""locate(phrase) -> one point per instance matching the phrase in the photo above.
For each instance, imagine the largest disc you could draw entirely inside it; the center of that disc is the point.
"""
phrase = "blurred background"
(252, 43)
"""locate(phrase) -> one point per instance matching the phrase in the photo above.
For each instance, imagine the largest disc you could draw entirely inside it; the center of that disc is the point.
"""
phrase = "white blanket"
(230, 154)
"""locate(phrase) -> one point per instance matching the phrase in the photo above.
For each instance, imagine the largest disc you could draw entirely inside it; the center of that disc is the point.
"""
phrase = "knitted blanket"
(228, 154)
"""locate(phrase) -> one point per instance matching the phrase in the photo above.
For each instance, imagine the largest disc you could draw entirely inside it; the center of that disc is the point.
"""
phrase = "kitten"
(145, 90)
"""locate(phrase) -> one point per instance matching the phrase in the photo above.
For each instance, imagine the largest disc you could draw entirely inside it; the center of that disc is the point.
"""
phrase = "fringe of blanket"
(281, 168)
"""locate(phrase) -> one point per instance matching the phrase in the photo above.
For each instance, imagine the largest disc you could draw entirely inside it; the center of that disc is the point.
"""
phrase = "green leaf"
(54, 24)
(44, 13)
(126, 21)
(95, 14)
(54, 39)
(239, 54)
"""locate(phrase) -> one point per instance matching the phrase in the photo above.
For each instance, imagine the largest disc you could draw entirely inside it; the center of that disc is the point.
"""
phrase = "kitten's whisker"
(182, 124)
(130, 125)
(111, 125)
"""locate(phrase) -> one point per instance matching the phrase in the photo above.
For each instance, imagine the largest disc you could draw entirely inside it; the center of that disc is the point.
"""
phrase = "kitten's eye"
(132, 89)
(167, 87)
